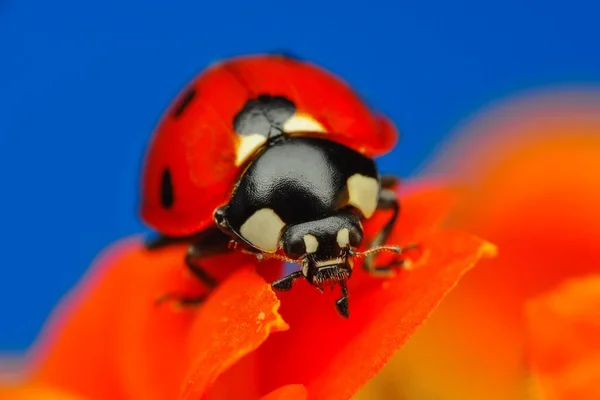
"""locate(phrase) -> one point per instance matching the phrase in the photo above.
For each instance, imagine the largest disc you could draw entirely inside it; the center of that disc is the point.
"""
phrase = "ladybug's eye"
(166, 189)
(294, 247)
(349, 236)
(356, 236)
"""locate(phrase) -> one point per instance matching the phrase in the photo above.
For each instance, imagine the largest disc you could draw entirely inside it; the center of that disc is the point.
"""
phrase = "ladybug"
(276, 155)
(305, 197)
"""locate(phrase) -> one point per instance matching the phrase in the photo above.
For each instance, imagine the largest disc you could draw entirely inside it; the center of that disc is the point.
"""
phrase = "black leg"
(160, 241)
(204, 244)
(182, 301)
(387, 201)
(388, 269)
(342, 302)
(285, 283)
(389, 181)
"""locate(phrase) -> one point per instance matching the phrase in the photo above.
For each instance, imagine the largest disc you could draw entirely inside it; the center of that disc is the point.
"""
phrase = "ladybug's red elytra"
(274, 154)
(211, 129)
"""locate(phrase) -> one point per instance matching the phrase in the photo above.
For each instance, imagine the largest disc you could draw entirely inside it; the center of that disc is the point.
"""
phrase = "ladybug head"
(323, 247)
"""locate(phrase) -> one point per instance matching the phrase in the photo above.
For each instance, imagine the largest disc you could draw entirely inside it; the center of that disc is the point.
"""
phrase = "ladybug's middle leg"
(389, 181)
(388, 200)
(213, 242)
(207, 243)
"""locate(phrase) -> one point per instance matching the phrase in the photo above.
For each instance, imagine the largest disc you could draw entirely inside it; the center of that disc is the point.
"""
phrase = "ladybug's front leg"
(208, 243)
(285, 283)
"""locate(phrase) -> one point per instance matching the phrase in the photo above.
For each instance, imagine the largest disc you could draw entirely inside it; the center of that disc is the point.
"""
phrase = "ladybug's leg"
(213, 243)
(205, 244)
(342, 302)
(389, 181)
(161, 241)
(285, 283)
(387, 201)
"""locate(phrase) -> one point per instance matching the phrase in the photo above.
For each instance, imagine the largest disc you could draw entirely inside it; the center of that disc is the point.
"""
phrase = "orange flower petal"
(158, 344)
(564, 340)
(394, 310)
(334, 357)
(289, 392)
(237, 318)
(111, 338)
(115, 341)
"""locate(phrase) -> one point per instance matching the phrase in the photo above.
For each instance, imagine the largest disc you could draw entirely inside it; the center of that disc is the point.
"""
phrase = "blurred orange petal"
(564, 340)
(533, 167)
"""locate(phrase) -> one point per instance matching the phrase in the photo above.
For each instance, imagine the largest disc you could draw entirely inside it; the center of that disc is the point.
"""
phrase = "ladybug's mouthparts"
(333, 275)
(330, 275)
(333, 272)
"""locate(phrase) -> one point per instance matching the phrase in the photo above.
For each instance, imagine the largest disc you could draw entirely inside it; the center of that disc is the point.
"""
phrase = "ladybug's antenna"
(265, 256)
(392, 249)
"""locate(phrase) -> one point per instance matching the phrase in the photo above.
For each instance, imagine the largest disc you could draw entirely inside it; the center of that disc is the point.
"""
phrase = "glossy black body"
(301, 178)
(304, 182)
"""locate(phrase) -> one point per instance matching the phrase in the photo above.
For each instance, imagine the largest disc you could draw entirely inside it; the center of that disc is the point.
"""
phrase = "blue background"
(82, 85)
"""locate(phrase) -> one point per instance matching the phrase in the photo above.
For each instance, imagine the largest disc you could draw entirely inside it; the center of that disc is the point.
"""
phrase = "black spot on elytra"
(264, 115)
(185, 101)
(166, 189)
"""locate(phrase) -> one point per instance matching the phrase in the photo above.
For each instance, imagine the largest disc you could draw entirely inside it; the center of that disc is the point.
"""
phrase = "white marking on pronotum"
(247, 146)
(343, 237)
(363, 192)
(310, 243)
(303, 123)
(263, 229)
